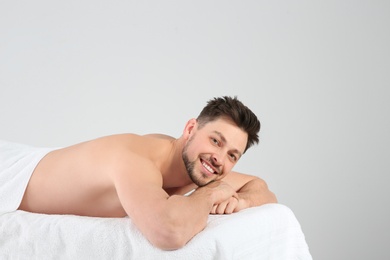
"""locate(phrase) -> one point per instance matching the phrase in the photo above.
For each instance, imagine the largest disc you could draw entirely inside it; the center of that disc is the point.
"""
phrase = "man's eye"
(233, 157)
(215, 141)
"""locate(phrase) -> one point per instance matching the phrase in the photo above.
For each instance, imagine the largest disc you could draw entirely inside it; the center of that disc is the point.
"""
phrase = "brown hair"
(235, 110)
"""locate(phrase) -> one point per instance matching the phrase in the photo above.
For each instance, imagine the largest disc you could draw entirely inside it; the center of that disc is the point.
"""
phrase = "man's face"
(211, 151)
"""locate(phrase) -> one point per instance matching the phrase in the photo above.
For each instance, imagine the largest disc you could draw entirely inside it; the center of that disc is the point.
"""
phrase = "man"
(145, 177)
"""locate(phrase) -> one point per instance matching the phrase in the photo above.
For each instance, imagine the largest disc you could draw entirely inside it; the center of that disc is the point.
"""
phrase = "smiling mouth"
(208, 167)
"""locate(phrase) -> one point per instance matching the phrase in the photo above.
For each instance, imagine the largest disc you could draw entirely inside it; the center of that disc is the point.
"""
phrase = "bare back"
(80, 179)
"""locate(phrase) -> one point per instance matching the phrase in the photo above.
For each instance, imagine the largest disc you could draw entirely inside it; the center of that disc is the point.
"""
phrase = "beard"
(190, 167)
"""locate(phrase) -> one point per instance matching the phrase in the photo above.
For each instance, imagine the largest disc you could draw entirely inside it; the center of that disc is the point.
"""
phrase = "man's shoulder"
(132, 138)
(159, 136)
(131, 154)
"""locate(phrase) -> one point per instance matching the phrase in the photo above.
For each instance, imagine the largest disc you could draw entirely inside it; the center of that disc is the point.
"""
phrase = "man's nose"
(217, 159)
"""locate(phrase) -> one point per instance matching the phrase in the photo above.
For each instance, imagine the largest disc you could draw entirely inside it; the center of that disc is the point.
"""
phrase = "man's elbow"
(272, 197)
(267, 195)
(168, 239)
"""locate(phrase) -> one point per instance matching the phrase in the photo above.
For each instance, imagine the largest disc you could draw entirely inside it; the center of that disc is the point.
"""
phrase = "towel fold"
(17, 163)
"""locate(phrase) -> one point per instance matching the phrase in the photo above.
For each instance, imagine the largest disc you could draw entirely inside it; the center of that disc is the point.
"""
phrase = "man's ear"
(189, 128)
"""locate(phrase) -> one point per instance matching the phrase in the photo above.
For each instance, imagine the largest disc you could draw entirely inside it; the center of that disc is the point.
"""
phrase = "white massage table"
(267, 232)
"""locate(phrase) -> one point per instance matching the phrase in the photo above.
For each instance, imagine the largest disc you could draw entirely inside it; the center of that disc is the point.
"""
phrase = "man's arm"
(252, 191)
(168, 222)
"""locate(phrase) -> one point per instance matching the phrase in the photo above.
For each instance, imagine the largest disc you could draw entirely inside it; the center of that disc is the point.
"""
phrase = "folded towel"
(17, 163)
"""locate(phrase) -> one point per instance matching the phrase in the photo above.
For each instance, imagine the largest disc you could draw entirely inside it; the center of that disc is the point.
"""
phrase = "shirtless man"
(145, 177)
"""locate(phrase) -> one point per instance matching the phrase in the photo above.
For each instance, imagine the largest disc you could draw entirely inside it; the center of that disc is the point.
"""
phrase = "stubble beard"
(190, 167)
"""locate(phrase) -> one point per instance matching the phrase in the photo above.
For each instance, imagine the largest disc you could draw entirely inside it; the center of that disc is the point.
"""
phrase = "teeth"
(208, 167)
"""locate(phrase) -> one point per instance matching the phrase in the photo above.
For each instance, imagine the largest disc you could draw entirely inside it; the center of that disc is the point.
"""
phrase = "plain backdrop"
(317, 74)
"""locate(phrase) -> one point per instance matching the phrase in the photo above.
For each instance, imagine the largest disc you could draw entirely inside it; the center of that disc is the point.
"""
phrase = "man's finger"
(233, 202)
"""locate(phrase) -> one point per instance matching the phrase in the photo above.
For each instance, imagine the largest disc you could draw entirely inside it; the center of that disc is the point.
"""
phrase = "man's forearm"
(187, 215)
(255, 193)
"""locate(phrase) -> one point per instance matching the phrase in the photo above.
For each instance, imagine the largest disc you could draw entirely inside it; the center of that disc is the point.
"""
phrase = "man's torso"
(80, 179)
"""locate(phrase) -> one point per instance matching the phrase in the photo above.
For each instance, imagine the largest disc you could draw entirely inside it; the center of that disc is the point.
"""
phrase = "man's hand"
(226, 207)
(226, 199)
(220, 190)
(250, 192)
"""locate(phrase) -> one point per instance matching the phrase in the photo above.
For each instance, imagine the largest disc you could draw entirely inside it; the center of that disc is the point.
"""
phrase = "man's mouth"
(208, 167)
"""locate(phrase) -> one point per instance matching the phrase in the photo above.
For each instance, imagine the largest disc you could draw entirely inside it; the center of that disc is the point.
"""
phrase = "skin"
(145, 178)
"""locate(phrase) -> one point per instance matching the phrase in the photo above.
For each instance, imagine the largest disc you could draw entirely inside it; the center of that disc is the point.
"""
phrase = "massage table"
(269, 231)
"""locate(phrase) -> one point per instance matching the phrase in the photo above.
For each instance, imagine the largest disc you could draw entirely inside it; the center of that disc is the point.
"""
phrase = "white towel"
(17, 163)
(268, 232)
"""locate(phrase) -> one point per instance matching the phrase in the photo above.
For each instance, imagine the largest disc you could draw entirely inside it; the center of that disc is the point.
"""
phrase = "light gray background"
(316, 73)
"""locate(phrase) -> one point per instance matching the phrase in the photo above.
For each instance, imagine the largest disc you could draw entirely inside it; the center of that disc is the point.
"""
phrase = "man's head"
(234, 110)
(216, 140)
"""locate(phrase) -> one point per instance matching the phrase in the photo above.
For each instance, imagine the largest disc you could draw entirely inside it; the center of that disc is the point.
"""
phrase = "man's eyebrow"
(224, 141)
(220, 136)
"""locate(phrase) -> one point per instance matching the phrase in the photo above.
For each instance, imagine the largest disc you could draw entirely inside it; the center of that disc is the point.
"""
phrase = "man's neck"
(173, 169)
